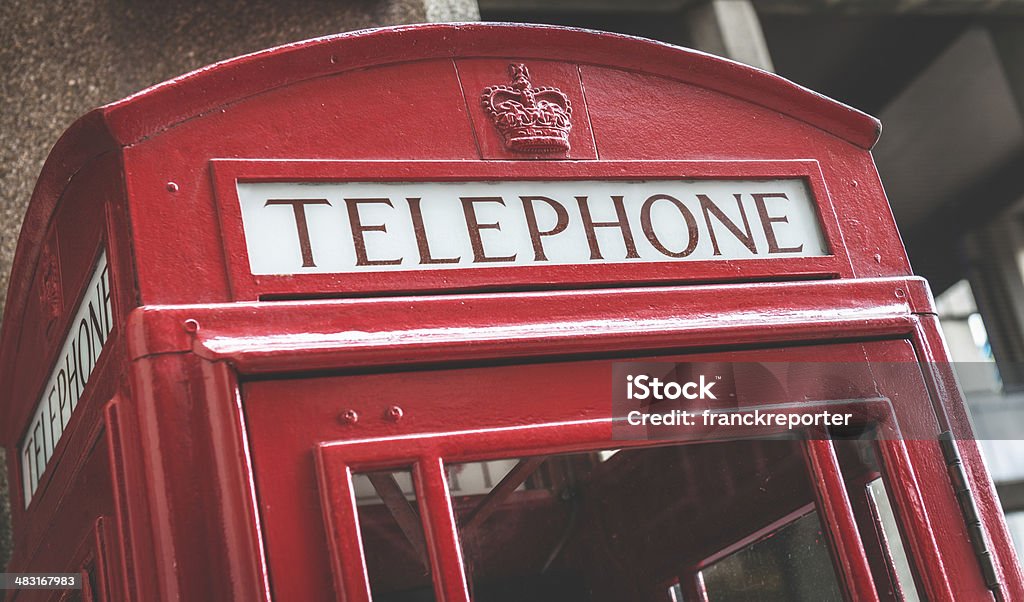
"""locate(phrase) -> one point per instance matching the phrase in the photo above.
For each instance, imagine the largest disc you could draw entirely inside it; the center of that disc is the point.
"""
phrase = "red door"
(503, 482)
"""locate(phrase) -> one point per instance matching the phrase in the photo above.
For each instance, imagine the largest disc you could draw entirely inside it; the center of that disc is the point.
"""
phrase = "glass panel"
(891, 529)
(397, 562)
(790, 565)
(624, 525)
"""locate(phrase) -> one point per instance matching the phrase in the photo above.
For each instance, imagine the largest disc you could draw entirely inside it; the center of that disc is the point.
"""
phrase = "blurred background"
(946, 77)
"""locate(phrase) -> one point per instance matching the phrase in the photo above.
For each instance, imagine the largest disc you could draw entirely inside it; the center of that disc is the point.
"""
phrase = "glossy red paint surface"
(209, 456)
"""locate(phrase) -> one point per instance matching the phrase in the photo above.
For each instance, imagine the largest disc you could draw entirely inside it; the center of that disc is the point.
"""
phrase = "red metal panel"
(198, 516)
(122, 588)
(163, 106)
(412, 111)
(134, 517)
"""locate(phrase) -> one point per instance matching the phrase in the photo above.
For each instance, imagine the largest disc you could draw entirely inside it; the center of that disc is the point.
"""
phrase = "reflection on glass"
(600, 526)
(790, 565)
(397, 562)
(901, 564)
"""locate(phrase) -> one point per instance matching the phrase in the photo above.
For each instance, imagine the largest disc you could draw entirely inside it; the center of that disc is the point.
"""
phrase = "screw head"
(349, 417)
(172, 187)
(394, 413)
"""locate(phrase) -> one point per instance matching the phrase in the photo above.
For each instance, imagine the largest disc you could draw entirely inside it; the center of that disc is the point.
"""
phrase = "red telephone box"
(354, 319)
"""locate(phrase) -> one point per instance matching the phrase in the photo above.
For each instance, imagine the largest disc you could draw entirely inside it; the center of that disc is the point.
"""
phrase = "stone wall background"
(59, 59)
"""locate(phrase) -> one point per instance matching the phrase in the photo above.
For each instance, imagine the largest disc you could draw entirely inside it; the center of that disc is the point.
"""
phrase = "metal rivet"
(878, 258)
(334, 59)
(395, 413)
(172, 187)
(854, 183)
(900, 293)
(349, 417)
(190, 326)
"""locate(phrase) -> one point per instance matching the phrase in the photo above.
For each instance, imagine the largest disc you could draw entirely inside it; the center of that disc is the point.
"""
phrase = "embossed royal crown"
(531, 120)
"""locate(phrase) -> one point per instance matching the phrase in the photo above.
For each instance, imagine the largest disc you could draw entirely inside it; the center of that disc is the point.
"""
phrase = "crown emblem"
(531, 120)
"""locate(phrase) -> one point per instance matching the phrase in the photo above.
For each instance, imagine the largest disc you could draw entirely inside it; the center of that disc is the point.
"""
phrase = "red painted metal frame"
(247, 287)
(951, 411)
(216, 450)
(836, 511)
(267, 338)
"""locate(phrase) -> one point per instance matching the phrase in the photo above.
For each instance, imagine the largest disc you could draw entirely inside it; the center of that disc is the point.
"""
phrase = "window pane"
(397, 562)
(627, 524)
(790, 565)
(891, 529)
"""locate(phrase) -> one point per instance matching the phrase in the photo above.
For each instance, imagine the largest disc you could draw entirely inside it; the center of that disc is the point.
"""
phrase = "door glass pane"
(891, 529)
(625, 525)
(790, 565)
(395, 548)
(676, 593)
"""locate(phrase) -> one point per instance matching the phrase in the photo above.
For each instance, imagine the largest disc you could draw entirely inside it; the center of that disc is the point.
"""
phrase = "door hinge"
(969, 509)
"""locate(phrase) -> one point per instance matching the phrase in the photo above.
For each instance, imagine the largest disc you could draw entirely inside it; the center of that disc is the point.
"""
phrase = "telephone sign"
(90, 329)
(371, 227)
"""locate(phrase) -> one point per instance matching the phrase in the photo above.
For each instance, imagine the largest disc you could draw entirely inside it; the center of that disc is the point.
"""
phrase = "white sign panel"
(82, 347)
(297, 228)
